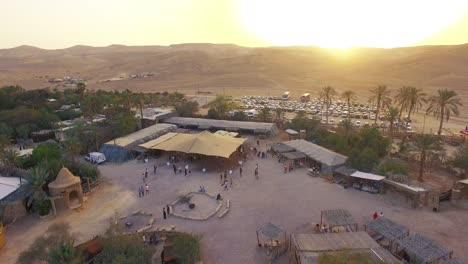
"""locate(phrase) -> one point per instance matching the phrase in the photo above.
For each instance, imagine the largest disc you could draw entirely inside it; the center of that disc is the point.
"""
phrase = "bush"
(42, 207)
(186, 248)
(47, 152)
(84, 170)
(124, 249)
(392, 166)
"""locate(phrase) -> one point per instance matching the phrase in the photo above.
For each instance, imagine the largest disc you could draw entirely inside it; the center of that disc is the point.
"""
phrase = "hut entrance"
(74, 199)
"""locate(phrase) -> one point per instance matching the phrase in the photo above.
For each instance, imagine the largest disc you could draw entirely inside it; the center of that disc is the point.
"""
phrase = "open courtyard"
(291, 200)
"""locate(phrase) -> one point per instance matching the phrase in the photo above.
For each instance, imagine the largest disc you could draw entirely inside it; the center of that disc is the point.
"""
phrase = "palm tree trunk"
(349, 107)
(441, 120)
(401, 111)
(421, 166)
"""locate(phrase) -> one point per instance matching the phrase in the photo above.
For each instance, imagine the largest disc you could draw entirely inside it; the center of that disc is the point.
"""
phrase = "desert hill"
(239, 70)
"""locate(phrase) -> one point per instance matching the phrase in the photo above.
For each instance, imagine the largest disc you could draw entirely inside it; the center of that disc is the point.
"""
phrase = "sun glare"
(344, 23)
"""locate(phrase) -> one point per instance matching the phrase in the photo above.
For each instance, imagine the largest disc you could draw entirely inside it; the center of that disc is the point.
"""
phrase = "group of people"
(143, 190)
(375, 216)
(151, 239)
(166, 211)
(202, 189)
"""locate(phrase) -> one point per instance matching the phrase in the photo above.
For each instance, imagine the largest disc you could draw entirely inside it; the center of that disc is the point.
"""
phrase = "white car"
(323, 122)
(95, 157)
(372, 117)
(331, 122)
(358, 123)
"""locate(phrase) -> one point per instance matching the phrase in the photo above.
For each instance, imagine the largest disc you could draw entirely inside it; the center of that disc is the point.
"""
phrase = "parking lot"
(361, 114)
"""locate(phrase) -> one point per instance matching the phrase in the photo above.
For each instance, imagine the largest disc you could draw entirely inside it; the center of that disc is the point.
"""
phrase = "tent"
(204, 143)
(328, 159)
(119, 149)
(228, 125)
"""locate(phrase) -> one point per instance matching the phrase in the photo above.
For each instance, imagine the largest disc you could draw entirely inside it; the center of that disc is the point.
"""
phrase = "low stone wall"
(220, 203)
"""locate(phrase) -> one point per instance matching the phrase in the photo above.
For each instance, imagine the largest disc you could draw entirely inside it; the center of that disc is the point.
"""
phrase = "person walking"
(258, 142)
(164, 213)
(146, 173)
(185, 171)
(139, 192)
(221, 178)
(142, 191)
(155, 167)
(230, 181)
(381, 214)
(168, 209)
(256, 173)
(147, 189)
(240, 171)
(375, 216)
(174, 168)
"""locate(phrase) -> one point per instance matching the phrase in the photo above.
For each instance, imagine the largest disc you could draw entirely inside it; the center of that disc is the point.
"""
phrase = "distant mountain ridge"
(240, 69)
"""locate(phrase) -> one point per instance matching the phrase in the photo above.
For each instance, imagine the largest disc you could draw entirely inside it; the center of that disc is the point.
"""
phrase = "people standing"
(155, 167)
(142, 191)
(256, 173)
(231, 181)
(381, 214)
(258, 142)
(164, 213)
(240, 171)
(168, 209)
(185, 171)
(147, 189)
(375, 216)
(146, 173)
(221, 178)
(139, 192)
(174, 168)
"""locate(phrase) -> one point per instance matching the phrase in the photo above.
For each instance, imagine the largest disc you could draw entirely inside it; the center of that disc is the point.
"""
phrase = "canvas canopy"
(317, 153)
(204, 143)
(202, 123)
(293, 155)
(281, 148)
(367, 176)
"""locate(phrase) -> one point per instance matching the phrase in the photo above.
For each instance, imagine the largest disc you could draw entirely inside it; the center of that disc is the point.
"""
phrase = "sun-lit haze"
(325, 23)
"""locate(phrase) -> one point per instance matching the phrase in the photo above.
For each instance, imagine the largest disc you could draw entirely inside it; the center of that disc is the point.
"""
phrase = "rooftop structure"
(423, 250)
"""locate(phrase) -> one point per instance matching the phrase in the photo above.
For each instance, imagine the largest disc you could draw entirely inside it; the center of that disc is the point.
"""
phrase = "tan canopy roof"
(204, 143)
(64, 179)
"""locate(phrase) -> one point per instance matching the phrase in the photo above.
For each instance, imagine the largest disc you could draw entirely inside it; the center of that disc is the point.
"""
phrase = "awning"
(291, 132)
(158, 140)
(367, 176)
(281, 148)
(293, 155)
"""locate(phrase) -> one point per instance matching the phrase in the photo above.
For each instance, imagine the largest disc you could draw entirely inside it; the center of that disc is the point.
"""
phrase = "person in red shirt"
(375, 216)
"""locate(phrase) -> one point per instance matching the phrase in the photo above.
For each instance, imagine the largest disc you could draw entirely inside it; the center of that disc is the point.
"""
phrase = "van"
(95, 157)
(251, 113)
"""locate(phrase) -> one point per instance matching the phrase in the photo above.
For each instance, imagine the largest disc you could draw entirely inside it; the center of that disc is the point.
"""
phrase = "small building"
(292, 134)
(306, 248)
(326, 160)
(257, 128)
(121, 149)
(338, 219)
(66, 191)
(152, 116)
(421, 250)
(386, 232)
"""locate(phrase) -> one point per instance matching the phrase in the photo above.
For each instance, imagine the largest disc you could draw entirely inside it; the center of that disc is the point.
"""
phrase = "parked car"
(358, 123)
(95, 157)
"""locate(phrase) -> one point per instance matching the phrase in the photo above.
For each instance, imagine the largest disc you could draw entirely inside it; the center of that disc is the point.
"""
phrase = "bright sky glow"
(326, 23)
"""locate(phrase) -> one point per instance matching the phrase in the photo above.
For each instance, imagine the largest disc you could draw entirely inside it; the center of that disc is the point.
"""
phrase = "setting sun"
(342, 24)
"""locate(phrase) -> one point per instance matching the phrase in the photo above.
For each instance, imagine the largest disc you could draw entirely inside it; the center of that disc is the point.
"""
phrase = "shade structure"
(64, 179)
(367, 176)
(204, 143)
(423, 250)
(318, 153)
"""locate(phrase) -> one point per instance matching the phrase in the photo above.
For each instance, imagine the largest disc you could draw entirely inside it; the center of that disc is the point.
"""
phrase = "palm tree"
(444, 104)
(381, 97)
(265, 114)
(327, 93)
(392, 116)
(10, 158)
(347, 128)
(416, 98)
(402, 98)
(425, 144)
(37, 179)
(348, 95)
(280, 115)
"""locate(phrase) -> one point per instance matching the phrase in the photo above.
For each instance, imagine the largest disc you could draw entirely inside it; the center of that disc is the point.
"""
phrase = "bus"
(286, 96)
(305, 98)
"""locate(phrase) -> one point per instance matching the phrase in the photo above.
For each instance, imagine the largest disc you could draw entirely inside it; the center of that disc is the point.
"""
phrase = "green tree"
(443, 105)
(47, 152)
(10, 158)
(264, 115)
(347, 129)
(349, 96)
(402, 99)
(381, 97)
(36, 180)
(426, 145)
(327, 94)
(80, 90)
(186, 109)
(460, 160)
(239, 116)
(124, 124)
(280, 116)
(222, 105)
(392, 116)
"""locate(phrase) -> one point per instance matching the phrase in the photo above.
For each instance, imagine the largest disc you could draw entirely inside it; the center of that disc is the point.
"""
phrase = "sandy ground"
(292, 200)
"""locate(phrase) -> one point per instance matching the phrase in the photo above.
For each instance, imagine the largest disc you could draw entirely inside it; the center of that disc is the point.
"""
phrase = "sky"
(54, 24)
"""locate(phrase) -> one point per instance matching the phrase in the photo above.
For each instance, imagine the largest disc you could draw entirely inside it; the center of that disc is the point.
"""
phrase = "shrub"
(84, 170)
(392, 166)
(124, 249)
(186, 248)
(42, 207)
(185, 199)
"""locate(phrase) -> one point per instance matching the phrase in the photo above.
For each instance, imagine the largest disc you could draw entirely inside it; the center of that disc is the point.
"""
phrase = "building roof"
(318, 153)
(347, 171)
(367, 176)
(405, 187)
(142, 135)
(388, 229)
(204, 143)
(8, 185)
(281, 148)
(153, 113)
(422, 249)
(64, 179)
(309, 245)
(222, 124)
(291, 132)
(271, 231)
(338, 217)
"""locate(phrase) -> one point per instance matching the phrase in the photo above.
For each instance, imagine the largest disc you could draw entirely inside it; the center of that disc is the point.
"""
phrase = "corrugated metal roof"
(367, 176)
(140, 135)
(316, 152)
(221, 124)
(8, 185)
